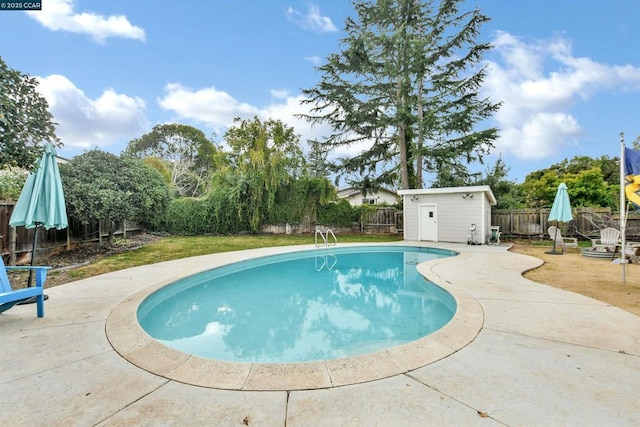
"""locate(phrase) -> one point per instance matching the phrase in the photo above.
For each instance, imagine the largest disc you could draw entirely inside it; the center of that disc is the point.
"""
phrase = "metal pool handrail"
(325, 239)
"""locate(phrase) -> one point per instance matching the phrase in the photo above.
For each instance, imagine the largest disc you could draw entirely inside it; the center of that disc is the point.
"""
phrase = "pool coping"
(131, 342)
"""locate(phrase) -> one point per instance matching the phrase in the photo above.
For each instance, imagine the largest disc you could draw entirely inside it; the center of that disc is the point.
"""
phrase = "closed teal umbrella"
(560, 210)
(41, 202)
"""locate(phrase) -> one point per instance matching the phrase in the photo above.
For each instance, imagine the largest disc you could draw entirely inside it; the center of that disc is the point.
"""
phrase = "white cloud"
(279, 93)
(287, 111)
(217, 109)
(539, 83)
(59, 15)
(533, 138)
(315, 60)
(84, 122)
(312, 21)
(210, 106)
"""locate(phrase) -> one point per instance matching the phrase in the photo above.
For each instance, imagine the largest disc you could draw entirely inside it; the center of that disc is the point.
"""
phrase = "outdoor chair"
(563, 242)
(609, 238)
(10, 297)
(632, 252)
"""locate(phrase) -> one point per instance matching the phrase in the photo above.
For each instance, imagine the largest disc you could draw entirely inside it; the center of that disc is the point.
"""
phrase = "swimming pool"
(302, 306)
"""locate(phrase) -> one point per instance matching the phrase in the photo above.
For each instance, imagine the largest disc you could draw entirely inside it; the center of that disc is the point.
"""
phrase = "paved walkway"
(543, 356)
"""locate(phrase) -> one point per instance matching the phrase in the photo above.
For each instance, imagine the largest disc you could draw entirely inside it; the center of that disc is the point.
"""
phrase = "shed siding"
(455, 215)
(457, 218)
(487, 218)
(410, 219)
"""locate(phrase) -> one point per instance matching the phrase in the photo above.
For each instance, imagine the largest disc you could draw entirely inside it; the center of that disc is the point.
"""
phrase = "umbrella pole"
(32, 300)
(555, 236)
(33, 254)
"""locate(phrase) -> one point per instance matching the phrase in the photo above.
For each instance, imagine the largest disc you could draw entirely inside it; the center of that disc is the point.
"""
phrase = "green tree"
(100, 185)
(508, 194)
(609, 167)
(300, 201)
(586, 188)
(540, 189)
(453, 176)
(265, 156)
(405, 86)
(186, 155)
(317, 163)
(25, 121)
(11, 183)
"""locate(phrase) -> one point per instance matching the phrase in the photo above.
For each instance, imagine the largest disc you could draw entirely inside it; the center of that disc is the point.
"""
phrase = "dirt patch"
(597, 278)
(93, 252)
(64, 263)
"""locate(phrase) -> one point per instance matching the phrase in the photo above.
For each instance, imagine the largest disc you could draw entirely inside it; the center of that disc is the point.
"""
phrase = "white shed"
(448, 214)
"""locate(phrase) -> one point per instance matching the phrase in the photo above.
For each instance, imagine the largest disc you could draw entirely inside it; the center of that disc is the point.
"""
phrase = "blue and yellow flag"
(632, 175)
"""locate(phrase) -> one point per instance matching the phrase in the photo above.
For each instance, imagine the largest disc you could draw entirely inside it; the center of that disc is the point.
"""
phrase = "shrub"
(11, 183)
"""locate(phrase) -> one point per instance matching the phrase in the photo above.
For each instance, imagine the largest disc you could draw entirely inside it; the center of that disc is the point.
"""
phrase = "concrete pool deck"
(538, 356)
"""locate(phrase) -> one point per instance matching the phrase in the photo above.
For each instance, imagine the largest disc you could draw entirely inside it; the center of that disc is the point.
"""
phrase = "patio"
(542, 356)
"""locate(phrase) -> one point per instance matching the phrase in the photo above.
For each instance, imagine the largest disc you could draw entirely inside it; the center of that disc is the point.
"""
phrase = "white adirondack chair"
(563, 242)
(609, 238)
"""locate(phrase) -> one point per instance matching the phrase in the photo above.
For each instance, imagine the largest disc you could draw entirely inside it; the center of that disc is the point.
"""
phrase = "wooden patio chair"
(10, 297)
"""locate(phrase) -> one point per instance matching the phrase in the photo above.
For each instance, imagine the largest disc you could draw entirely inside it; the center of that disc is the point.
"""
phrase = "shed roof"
(452, 190)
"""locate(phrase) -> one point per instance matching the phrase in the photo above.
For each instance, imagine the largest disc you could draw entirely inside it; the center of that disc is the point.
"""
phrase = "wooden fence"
(586, 223)
(382, 220)
(523, 223)
(17, 242)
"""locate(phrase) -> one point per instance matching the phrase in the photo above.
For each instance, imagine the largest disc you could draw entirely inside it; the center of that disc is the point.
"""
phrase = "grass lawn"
(171, 248)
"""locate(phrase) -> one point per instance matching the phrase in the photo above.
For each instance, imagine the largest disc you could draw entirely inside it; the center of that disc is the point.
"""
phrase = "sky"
(567, 72)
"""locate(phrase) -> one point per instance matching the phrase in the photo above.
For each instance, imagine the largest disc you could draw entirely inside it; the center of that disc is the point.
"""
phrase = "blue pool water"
(303, 306)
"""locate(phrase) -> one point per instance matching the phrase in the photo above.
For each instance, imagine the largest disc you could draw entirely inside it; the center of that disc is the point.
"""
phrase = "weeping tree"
(264, 158)
(404, 88)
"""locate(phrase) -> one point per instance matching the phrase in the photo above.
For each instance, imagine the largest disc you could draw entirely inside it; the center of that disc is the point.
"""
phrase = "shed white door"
(428, 226)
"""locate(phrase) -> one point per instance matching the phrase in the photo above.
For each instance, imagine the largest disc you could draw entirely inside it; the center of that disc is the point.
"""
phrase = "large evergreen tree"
(405, 86)
(507, 193)
(317, 163)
